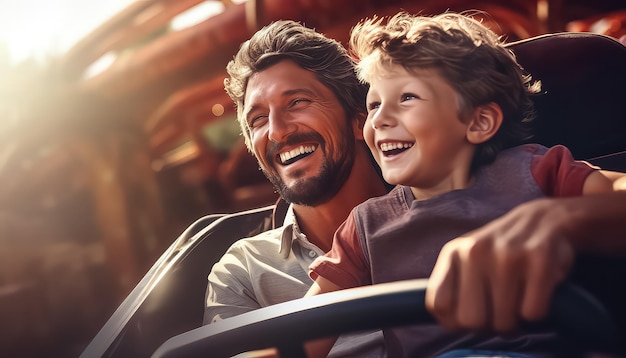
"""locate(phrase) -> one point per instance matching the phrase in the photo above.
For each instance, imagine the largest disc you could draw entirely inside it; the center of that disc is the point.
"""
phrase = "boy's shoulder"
(396, 197)
(532, 148)
(536, 151)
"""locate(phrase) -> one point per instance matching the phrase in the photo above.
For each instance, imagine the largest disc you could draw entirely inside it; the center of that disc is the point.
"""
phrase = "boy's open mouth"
(393, 148)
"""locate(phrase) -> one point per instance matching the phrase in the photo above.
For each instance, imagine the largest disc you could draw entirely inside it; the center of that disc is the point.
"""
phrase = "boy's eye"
(408, 97)
(372, 105)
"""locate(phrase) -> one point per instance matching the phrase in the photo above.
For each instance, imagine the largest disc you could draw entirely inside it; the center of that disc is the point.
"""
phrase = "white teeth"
(387, 146)
(295, 152)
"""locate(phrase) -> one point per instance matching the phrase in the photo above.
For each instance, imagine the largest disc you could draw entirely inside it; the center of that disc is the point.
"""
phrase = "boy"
(448, 108)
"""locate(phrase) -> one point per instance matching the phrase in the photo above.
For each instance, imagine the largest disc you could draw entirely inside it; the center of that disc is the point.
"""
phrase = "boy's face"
(299, 133)
(414, 131)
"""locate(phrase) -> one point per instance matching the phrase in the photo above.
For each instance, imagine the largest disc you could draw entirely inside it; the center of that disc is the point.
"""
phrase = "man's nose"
(280, 127)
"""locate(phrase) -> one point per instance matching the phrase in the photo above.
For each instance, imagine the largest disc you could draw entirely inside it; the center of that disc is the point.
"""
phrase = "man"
(301, 110)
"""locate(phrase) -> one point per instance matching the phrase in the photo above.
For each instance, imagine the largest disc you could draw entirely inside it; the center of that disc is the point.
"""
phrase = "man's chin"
(306, 195)
(313, 191)
(305, 200)
(308, 192)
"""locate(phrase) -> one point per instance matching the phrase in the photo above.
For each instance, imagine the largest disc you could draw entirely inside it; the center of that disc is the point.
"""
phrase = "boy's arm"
(507, 270)
(345, 243)
(321, 285)
(318, 348)
(603, 181)
(321, 347)
(598, 218)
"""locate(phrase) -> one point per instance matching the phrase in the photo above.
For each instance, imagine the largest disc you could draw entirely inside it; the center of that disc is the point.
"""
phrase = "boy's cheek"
(368, 135)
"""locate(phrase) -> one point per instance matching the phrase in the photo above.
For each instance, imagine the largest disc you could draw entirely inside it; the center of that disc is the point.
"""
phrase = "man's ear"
(484, 123)
(357, 125)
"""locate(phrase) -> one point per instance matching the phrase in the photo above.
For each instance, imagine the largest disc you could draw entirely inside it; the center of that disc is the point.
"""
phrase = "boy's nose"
(383, 117)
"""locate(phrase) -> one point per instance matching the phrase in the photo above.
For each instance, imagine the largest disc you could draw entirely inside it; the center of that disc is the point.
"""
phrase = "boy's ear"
(357, 125)
(484, 123)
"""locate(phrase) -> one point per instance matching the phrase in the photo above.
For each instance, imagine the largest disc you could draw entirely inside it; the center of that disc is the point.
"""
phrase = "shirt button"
(312, 253)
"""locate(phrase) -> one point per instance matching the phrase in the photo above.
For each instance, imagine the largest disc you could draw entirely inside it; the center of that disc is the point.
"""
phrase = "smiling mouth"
(296, 154)
(394, 148)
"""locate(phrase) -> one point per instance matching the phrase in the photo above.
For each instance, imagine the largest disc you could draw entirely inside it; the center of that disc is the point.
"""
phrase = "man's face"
(299, 133)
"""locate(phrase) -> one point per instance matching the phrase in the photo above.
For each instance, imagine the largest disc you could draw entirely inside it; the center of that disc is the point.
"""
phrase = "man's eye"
(297, 101)
(257, 121)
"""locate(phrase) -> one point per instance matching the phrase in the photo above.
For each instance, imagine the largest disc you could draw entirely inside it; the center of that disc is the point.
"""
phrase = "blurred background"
(116, 134)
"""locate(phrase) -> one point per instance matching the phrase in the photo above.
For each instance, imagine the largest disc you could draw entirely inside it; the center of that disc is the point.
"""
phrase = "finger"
(536, 298)
(505, 290)
(471, 312)
(539, 285)
(441, 289)
(545, 271)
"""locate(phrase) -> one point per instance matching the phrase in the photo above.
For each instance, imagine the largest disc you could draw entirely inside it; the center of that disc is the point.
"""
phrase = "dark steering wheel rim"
(574, 313)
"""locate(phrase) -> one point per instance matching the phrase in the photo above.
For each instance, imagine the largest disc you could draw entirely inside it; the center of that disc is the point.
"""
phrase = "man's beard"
(314, 191)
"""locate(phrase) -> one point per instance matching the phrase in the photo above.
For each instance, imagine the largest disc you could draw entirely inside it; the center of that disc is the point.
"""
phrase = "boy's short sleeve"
(557, 173)
(344, 265)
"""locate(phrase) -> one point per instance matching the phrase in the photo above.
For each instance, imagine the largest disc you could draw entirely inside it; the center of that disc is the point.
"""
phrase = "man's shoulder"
(268, 238)
(261, 249)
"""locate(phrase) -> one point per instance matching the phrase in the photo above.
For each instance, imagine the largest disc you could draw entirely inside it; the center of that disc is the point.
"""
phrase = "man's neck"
(320, 222)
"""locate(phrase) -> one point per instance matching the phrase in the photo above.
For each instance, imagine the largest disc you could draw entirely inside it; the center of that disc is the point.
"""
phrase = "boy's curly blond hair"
(467, 54)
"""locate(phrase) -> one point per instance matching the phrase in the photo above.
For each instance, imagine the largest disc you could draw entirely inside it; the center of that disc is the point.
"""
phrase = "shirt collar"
(291, 232)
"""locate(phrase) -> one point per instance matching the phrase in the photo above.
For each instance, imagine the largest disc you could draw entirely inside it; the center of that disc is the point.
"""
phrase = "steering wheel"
(574, 313)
